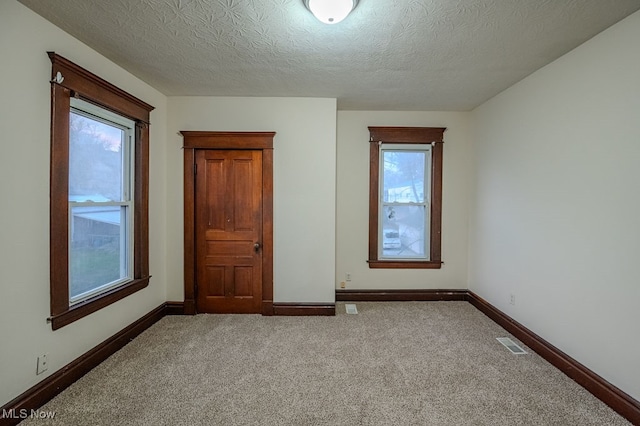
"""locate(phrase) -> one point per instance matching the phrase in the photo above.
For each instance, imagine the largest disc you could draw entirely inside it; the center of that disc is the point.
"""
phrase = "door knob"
(256, 247)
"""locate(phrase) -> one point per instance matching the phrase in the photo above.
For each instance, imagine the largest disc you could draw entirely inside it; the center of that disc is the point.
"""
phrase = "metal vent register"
(511, 345)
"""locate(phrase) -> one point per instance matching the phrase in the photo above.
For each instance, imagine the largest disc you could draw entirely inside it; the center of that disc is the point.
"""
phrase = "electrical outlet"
(347, 276)
(512, 299)
(42, 364)
(343, 284)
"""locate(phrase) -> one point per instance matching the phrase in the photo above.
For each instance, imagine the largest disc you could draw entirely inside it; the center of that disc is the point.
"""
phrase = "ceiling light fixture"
(330, 11)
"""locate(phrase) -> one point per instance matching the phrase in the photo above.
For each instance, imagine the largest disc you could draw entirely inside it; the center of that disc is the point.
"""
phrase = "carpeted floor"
(405, 363)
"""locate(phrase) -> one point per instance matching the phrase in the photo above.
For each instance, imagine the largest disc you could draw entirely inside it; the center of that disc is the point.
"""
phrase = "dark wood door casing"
(195, 141)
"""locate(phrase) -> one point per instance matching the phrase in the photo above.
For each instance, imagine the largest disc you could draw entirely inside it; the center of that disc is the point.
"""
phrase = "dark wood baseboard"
(174, 308)
(304, 309)
(399, 295)
(42, 392)
(615, 398)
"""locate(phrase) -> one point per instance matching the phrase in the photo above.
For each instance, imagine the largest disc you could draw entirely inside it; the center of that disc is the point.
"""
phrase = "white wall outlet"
(343, 284)
(512, 299)
(42, 365)
(347, 276)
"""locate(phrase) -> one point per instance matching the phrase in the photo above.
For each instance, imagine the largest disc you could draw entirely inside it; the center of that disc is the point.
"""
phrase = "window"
(99, 193)
(405, 198)
(404, 202)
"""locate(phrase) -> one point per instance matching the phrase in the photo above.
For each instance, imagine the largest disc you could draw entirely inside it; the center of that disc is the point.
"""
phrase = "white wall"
(353, 202)
(24, 188)
(304, 185)
(556, 216)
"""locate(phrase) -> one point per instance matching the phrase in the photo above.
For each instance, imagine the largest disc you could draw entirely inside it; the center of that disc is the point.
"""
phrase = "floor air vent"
(509, 344)
(351, 308)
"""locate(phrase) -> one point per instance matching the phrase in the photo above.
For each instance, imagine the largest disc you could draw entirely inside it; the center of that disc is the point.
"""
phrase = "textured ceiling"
(387, 55)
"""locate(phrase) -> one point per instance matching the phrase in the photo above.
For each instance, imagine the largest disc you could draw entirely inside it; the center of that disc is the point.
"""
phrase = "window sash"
(127, 222)
(426, 204)
(126, 253)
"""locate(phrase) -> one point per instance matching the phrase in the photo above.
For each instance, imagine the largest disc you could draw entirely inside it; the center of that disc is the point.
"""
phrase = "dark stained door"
(228, 228)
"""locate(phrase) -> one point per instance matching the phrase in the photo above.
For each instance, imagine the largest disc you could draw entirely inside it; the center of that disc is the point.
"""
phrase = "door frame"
(204, 140)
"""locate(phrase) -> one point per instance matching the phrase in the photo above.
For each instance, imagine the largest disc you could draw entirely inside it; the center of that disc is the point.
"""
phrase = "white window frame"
(392, 147)
(94, 112)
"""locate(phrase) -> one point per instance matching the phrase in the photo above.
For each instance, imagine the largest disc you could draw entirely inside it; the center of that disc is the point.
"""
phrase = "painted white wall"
(24, 188)
(556, 214)
(304, 185)
(353, 202)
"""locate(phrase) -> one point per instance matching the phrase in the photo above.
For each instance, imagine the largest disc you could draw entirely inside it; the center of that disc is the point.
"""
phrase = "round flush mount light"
(330, 11)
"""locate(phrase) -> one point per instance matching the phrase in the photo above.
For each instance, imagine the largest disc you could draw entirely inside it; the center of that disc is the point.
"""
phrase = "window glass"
(95, 159)
(97, 255)
(403, 232)
(404, 178)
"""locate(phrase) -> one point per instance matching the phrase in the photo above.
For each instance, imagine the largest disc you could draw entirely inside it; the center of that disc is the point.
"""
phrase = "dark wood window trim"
(406, 135)
(70, 80)
(196, 140)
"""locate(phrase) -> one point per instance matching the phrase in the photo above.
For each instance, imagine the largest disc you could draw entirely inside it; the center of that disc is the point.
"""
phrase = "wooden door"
(228, 231)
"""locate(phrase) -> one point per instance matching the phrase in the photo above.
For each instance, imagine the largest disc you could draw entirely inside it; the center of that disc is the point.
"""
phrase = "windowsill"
(96, 303)
(404, 264)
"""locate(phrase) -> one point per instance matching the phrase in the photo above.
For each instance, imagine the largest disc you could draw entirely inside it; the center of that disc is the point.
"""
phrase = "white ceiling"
(387, 55)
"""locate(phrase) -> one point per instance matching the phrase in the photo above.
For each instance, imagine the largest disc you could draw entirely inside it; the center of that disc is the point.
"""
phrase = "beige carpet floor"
(405, 363)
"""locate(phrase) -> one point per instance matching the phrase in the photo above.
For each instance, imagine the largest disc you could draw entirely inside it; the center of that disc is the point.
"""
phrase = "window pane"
(403, 176)
(403, 231)
(97, 248)
(95, 160)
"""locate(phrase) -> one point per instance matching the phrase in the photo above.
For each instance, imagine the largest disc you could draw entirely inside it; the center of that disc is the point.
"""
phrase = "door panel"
(228, 210)
(214, 281)
(243, 279)
(216, 214)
